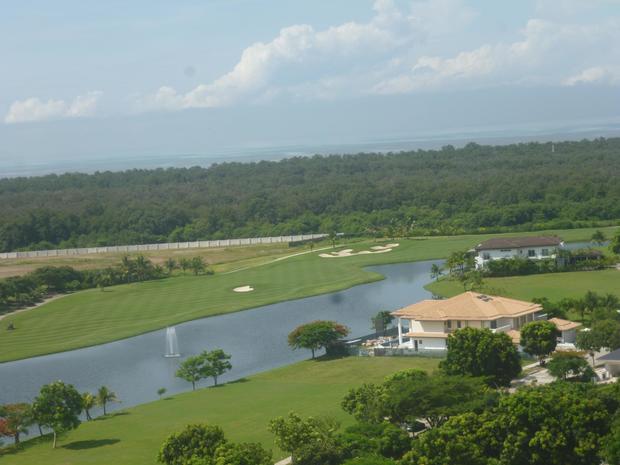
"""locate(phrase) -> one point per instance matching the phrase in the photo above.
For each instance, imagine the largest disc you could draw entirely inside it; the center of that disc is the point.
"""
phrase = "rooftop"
(467, 306)
(611, 356)
(518, 242)
(564, 325)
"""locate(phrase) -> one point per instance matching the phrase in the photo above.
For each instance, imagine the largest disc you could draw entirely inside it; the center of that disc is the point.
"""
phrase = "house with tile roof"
(426, 325)
(533, 248)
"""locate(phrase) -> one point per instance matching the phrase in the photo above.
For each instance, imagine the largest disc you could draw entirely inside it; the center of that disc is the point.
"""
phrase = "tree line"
(476, 188)
(22, 291)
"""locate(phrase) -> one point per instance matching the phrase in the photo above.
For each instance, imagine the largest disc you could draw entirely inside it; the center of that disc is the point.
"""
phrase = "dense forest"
(473, 189)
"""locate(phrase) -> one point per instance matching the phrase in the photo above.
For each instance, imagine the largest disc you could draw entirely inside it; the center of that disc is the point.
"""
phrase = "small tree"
(161, 391)
(316, 335)
(15, 420)
(381, 321)
(170, 265)
(310, 440)
(58, 407)
(191, 370)
(185, 264)
(88, 402)
(194, 442)
(539, 338)
(480, 352)
(436, 271)
(197, 265)
(245, 453)
(588, 341)
(105, 396)
(614, 246)
(598, 237)
(569, 364)
(215, 363)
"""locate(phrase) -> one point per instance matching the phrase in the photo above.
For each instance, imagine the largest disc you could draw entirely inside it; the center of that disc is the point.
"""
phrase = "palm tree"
(170, 265)
(88, 402)
(104, 395)
(185, 264)
(142, 265)
(436, 271)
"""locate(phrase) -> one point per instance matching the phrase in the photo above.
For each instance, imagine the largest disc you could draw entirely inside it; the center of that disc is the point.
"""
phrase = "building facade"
(426, 325)
(533, 248)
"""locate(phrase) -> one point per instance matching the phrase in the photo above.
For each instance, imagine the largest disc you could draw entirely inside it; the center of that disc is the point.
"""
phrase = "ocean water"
(458, 138)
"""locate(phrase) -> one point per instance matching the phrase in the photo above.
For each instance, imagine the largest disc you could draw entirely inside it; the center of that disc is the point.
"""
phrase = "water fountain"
(172, 346)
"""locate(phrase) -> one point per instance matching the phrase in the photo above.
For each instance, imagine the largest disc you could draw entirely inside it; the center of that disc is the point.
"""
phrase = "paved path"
(285, 461)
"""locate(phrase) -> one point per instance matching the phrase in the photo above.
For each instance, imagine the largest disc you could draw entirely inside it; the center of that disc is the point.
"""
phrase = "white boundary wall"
(165, 246)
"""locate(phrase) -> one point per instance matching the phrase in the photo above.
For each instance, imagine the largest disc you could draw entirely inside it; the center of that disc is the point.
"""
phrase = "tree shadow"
(111, 415)
(92, 444)
(237, 381)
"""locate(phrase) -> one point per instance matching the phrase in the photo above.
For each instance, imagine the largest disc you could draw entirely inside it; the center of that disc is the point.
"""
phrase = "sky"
(85, 79)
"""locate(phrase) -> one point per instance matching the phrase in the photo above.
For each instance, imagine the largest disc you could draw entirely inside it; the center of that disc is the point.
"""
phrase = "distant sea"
(485, 136)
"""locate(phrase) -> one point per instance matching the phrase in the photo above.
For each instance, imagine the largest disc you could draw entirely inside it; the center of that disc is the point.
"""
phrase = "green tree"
(611, 448)
(556, 424)
(191, 370)
(598, 237)
(245, 453)
(215, 363)
(569, 364)
(588, 341)
(465, 439)
(436, 271)
(381, 321)
(185, 264)
(375, 439)
(15, 420)
(88, 402)
(434, 398)
(480, 352)
(104, 397)
(316, 335)
(170, 265)
(366, 403)
(58, 407)
(539, 338)
(197, 265)
(607, 333)
(194, 441)
(614, 246)
(161, 391)
(309, 441)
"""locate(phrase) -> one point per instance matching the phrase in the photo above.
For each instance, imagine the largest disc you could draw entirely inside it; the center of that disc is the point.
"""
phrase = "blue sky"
(87, 79)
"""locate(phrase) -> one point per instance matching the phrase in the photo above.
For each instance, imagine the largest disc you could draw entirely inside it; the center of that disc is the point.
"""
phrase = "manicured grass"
(554, 286)
(243, 409)
(94, 317)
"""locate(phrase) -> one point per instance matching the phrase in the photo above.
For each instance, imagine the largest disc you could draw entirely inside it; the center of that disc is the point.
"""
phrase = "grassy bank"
(554, 286)
(94, 317)
(243, 409)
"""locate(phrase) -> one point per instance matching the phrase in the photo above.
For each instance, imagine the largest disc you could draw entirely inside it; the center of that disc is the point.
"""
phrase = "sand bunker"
(243, 289)
(350, 253)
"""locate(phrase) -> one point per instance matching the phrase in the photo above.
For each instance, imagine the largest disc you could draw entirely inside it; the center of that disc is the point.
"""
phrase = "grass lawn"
(554, 286)
(243, 409)
(94, 317)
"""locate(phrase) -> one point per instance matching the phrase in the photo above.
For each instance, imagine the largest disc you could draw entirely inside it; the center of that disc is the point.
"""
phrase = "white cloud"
(304, 61)
(400, 51)
(595, 74)
(34, 109)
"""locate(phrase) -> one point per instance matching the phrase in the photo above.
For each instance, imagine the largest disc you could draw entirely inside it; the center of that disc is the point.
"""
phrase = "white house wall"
(522, 252)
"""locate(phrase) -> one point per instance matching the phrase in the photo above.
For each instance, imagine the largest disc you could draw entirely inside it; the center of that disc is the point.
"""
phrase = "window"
(458, 324)
(448, 324)
(493, 324)
(545, 252)
(531, 253)
(486, 256)
(505, 250)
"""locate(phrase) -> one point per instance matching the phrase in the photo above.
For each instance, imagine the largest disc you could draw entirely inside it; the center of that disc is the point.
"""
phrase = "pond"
(135, 368)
